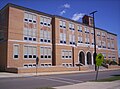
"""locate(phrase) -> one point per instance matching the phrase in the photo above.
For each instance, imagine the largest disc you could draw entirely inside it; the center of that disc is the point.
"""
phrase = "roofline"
(83, 24)
(39, 12)
(26, 9)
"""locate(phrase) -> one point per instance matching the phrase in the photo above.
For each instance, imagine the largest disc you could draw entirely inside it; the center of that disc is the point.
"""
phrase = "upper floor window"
(30, 34)
(45, 36)
(108, 36)
(72, 39)
(62, 24)
(80, 40)
(63, 38)
(98, 33)
(71, 26)
(79, 28)
(30, 17)
(103, 44)
(92, 32)
(86, 30)
(103, 34)
(45, 21)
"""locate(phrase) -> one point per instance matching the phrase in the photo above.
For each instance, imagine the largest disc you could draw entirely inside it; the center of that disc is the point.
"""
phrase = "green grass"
(45, 88)
(114, 78)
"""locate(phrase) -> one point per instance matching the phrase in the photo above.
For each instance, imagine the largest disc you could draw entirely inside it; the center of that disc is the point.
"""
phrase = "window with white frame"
(29, 30)
(103, 34)
(108, 45)
(87, 39)
(98, 33)
(104, 54)
(30, 34)
(108, 36)
(72, 39)
(86, 30)
(16, 51)
(45, 36)
(66, 54)
(103, 44)
(80, 40)
(45, 52)
(71, 26)
(30, 52)
(112, 45)
(99, 43)
(92, 32)
(79, 28)
(92, 41)
(109, 55)
(62, 24)
(63, 38)
(46, 21)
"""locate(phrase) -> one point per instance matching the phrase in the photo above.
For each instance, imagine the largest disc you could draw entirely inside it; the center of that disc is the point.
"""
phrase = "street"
(52, 80)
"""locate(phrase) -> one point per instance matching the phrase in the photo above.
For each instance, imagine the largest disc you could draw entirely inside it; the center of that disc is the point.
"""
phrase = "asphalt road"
(52, 80)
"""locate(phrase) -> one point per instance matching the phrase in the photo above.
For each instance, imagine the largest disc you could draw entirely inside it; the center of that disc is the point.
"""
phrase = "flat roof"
(42, 13)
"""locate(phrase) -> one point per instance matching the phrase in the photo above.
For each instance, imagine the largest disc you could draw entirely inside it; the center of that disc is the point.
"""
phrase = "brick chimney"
(88, 20)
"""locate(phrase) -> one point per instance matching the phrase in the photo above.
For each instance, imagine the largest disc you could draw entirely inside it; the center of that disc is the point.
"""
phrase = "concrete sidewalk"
(93, 85)
(7, 75)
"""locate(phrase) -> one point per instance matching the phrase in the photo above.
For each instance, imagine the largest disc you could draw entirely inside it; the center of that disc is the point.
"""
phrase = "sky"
(107, 16)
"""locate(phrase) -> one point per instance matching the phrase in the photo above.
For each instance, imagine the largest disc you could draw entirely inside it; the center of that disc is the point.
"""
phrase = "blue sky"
(107, 17)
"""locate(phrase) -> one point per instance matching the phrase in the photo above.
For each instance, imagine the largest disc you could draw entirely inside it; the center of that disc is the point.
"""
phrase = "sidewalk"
(93, 85)
(6, 74)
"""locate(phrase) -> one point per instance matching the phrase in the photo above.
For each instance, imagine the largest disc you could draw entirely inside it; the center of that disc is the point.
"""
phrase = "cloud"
(77, 16)
(64, 8)
(62, 12)
(66, 5)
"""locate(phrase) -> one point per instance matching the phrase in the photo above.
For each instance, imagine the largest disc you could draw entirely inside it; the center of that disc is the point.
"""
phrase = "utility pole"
(95, 54)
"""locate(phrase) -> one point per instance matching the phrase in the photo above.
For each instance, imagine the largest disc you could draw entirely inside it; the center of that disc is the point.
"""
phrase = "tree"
(99, 61)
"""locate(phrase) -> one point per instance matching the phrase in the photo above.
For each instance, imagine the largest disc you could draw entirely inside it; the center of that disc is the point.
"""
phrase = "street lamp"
(95, 54)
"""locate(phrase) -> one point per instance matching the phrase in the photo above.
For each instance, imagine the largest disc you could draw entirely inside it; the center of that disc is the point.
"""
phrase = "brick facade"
(42, 36)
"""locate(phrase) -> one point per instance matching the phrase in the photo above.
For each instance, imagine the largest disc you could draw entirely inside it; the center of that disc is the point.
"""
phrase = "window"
(29, 30)
(45, 52)
(92, 41)
(45, 64)
(98, 33)
(79, 28)
(72, 39)
(15, 51)
(66, 54)
(92, 32)
(104, 54)
(46, 21)
(63, 38)
(86, 30)
(99, 43)
(71, 26)
(103, 44)
(45, 36)
(103, 34)
(30, 34)
(30, 52)
(80, 39)
(62, 24)
(87, 40)
(108, 45)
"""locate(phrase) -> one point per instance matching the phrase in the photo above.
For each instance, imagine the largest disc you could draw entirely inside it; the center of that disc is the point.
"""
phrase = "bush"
(113, 63)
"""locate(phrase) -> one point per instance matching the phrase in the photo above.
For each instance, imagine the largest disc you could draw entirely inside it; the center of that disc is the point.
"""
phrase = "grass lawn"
(113, 78)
